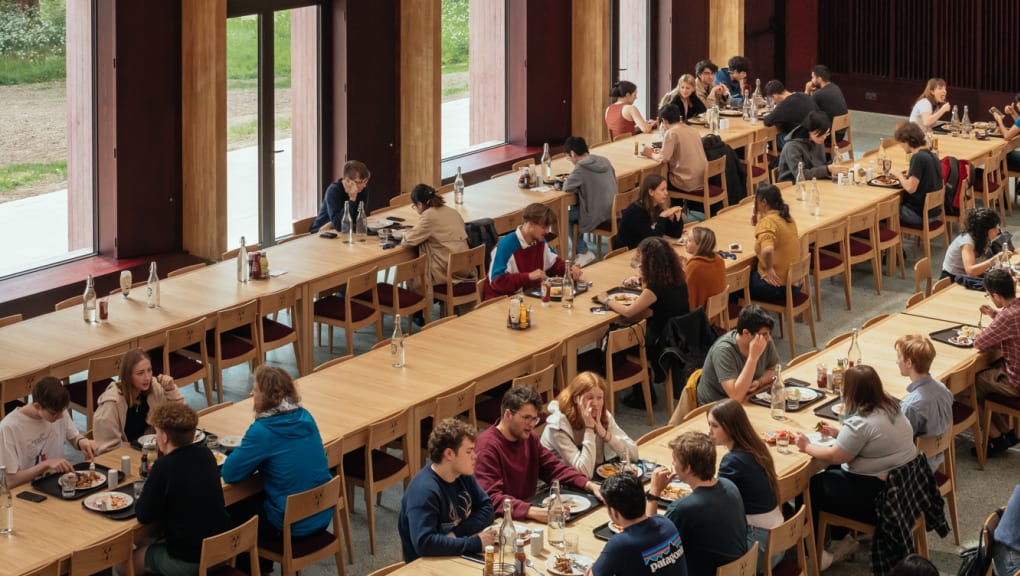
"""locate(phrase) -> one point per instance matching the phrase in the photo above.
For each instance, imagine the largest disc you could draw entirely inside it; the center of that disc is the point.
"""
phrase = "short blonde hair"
(918, 349)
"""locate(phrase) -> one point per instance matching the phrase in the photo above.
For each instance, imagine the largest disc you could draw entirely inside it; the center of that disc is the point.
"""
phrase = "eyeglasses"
(359, 182)
(529, 419)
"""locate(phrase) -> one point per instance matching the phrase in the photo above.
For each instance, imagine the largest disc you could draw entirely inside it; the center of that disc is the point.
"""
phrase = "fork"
(981, 317)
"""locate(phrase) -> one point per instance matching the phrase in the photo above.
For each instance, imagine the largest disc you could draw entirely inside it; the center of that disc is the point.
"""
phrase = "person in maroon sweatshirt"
(511, 459)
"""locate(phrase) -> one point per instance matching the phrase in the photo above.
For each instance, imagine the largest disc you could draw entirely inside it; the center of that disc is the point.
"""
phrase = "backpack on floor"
(978, 559)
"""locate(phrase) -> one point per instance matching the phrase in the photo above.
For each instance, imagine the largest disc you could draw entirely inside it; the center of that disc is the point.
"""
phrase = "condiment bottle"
(490, 561)
(524, 320)
(458, 188)
(520, 556)
(152, 287)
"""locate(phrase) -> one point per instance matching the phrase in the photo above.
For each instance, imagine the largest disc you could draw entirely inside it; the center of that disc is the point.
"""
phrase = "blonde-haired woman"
(125, 404)
(579, 428)
(684, 98)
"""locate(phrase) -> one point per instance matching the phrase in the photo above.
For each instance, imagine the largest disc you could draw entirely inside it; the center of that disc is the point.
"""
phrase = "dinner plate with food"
(885, 182)
(220, 457)
(230, 442)
(771, 436)
(799, 392)
(961, 341)
(674, 491)
(731, 113)
(625, 298)
(837, 408)
(573, 503)
(88, 479)
(821, 438)
(568, 564)
(612, 468)
(108, 501)
(614, 527)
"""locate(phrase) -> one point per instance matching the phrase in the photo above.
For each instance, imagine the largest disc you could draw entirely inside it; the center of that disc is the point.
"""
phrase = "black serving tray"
(49, 484)
(794, 383)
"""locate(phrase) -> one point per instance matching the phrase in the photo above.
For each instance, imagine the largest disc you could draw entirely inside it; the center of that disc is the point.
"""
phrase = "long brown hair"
(863, 393)
(660, 265)
(929, 91)
(704, 239)
(274, 384)
(578, 387)
(733, 419)
(127, 367)
(651, 182)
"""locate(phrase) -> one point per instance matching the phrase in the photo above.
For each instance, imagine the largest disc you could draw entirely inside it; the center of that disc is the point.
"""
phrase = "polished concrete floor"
(980, 491)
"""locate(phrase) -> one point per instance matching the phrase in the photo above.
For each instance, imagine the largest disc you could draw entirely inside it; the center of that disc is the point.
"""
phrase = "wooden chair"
(838, 338)
(296, 554)
(185, 270)
(302, 226)
(992, 187)
(500, 174)
(945, 475)
(831, 257)
(770, 134)
(610, 228)
(737, 281)
(333, 362)
(841, 123)
(863, 243)
(508, 222)
(998, 404)
(654, 433)
(794, 484)
(987, 536)
(522, 163)
(915, 299)
(630, 373)
(965, 406)
(85, 394)
(717, 308)
(71, 302)
(922, 272)
(291, 238)
(396, 297)
(374, 469)
(455, 292)
(793, 533)
(890, 239)
(967, 201)
(697, 412)
(117, 291)
(14, 391)
(553, 355)
(438, 322)
(746, 565)
(930, 228)
(348, 313)
(224, 547)
(941, 285)
(188, 366)
(614, 253)
(826, 519)
(799, 359)
(104, 555)
(709, 194)
(457, 403)
(400, 200)
(794, 305)
(214, 408)
(387, 569)
(272, 332)
(444, 188)
(233, 343)
(233, 253)
(334, 459)
(12, 319)
(757, 161)
(874, 320)
(48, 569)
(688, 401)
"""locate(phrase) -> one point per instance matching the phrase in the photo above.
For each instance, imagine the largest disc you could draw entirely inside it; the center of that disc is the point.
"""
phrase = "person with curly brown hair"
(968, 253)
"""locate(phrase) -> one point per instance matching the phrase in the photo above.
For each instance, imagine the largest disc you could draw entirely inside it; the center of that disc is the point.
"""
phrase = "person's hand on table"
(537, 274)
(631, 282)
(538, 514)
(327, 227)
(772, 278)
(488, 537)
(60, 465)
(602, 298)
(575, 272)
(661, 476)
(594, 489)
(88, 448)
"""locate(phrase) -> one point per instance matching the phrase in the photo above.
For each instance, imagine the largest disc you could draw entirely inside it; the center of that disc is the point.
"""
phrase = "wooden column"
(420, 98)
(204, 126)
(79, 125)
(304, 95)
(590, 78)
(726, 30)
(487, 70)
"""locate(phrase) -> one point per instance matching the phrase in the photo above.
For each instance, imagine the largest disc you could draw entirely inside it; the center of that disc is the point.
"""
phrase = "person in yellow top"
(776, 243)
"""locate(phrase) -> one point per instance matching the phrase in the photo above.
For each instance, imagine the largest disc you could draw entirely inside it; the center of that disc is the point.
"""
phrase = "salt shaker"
(125, 466)
(112, 480)
(537, 543)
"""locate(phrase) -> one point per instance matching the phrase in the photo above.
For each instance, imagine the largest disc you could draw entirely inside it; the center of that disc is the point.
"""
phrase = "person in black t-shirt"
(183, 496)
(923, 176)
(826, 94)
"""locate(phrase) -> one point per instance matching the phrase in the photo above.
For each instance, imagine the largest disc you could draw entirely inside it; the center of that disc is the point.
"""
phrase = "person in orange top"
(622, 117)
(704, 269)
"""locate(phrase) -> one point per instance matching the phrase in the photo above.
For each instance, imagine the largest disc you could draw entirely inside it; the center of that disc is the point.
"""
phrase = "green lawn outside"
(243, 44)
(18, 175)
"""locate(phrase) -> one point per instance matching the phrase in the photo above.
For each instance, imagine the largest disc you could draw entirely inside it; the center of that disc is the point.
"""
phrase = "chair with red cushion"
(836, 147)
(930, 228)
(999, 404)
(793, 305)
(296, 554)
(889, 237)
(456, 291)
(357, 308)
(757, 161)
(945, 475)
(232, 343)
(863, 242)
(831, 257)
(992, 187)
(709, 194)
(85, 394)
(183, 365)
(965, 405)
(632, 370)
(273, 333)
(398, 298)
(223, 549)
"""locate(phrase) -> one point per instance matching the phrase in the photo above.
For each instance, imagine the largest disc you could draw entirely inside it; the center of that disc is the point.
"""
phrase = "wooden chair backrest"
(614, 253)
(789, 534)
(233, 253)
(12, 319)
(626, 337)
(746, 565)
(214, 408)
(246, 314)
(361, 283)
(508, 222)
(400, 200)
(717, 306)
(915, 298)
(185, 269)
(542, 381)
(922, 271)
(522, 163)
(470, 259)
(387, 430)
(333, 362)
(19, 387)
(800, 359)
(105, 554)
(740, 281)
(865, 220)
(941, 285)
(227, 545)
(834, 233)
(284, 299)
(69, 302)
(456, 403)
(932, 446)
(755, 154)
(385, 570)
(874, 320)
(838, 338)
(798, 272)
(795, 482)
(302, 226)
(889, 213)
(417, 268)
(438, 322)
(628, 183)
(177, 338)
(104, 368)
(311, 502)
(716, 167)
(445, 188)
(381, 344)
(553, 355)
(962, 378)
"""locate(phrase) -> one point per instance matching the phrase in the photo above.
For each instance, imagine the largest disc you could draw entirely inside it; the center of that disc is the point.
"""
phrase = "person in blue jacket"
(444, 511)
(284, 445)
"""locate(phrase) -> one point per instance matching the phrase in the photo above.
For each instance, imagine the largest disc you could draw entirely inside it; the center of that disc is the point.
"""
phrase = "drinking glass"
(783, 443)
(137, 486)
(570, 543)
(67, 484)
(125, 282)
(384, 236)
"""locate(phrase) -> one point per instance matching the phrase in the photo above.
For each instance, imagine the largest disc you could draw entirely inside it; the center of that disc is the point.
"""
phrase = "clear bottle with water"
(965, 125)
(557, 521)
(854, 353)
(954, 122)
(89, 301)
(6, 504)
(800, 183)
(361, 224)
(568, 287)
(458, 188)
(152, 286)
(505, 537)
(778, 393)
(546, 162)
(243, 272)
(347, 223)
(397, 358)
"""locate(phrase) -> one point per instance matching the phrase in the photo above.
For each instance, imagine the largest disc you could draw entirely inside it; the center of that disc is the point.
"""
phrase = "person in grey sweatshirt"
(594, 181)
(806, 143)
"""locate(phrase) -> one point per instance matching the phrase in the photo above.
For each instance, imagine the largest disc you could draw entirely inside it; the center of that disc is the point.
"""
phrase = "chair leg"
(349, 339)
(823, 524)
(811, 327)
(953, 516)
(346, 519)
(978, 444)
(818, 297)
(670, 401)
(789, 318)
(646, 390)
(370, 511)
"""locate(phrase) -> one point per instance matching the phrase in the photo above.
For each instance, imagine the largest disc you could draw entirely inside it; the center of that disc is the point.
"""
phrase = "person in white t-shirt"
(32, 437)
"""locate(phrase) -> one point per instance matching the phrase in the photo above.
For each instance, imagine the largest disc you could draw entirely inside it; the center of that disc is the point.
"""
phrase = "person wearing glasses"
(806, 143)
(32, 437)
(510, 458)
(710, 93)
(353, 188)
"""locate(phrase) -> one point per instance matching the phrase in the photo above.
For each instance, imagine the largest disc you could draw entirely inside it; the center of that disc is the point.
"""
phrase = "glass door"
(630, 51)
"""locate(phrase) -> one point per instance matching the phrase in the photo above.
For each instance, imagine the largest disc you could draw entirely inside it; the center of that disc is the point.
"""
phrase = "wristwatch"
(651, 497)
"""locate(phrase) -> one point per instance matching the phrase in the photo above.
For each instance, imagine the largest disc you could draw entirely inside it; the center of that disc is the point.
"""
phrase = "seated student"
(806, 143)
(182, 496)
(826, 94)
(704, 269)
(791, 108)
(684, 98)
(353, 188)
(511, 459)
(32, 437)
(1009, 128)
(749, 465)
(647, 544)
(742, 361)
(1001, 335)
(923, 176)
(579, 428)
(776, 244)
(650, 215)
(710, 520)
(968, 253)
(594, 181)
(682, 152)
(622, 117)
(710, 93)
(1006, 552)
(523, 259)
(928, 404)
(444, 512)
(282, 444)
(125, 404)
(931, 105)
(733, 76)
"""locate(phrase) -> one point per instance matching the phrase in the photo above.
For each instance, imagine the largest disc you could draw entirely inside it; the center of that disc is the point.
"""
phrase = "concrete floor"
(980, 491)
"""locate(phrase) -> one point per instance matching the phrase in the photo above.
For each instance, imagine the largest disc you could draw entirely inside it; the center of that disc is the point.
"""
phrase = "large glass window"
(631, 54)
(47, 197)
(473, 75)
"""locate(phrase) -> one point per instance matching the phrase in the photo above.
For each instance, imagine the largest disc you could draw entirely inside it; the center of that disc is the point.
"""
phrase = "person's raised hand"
(758, 345)
(584, 408)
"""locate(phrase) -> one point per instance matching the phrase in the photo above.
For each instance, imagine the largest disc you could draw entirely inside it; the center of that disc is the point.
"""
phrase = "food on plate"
(87, 479)
(886, 180)
(793, 393)
(615, 527)
(556, 291)
(625, 298)
(562, 564)
(837, 408)
(607, 470)
(735, 247)
(112, 501)
(567, 503)
(819, 426)
(771, 436)
(674, 491)
(220, 458)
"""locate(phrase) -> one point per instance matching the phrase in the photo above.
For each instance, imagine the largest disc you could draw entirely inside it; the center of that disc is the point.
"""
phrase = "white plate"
(668, 494)
(806, 394)
(574, 503)
(625, 298)
(108, 501)
(377, 223)
(577, 561)
(146, 438)
(612, 468)
(97, 481)
(614, 527)
(522, 530)
(199, 436)
(961, 340)
(837, 408)
(230, 441)
(816, 438)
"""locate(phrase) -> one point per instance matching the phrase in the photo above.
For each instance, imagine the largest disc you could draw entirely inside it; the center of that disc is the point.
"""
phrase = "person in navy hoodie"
(284, 445)
(444, 511)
